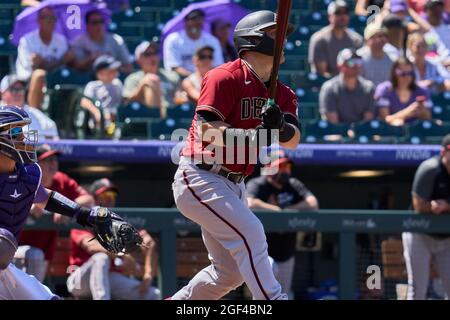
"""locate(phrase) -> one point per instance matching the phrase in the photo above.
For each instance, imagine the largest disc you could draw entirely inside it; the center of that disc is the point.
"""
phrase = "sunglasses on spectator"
(402, 73)
(48, 18)
(205, 57)
(96, 22)
(149, 54)
(341, 13)
(16, 90)
(353, 63)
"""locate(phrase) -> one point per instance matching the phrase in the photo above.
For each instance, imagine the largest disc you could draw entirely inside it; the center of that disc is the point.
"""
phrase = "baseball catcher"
(20, 187)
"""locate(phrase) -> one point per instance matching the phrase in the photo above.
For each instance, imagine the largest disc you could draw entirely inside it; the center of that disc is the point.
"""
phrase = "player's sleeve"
(253, 189)
(424, 180)
(23, 62)
(77, 235)
(72, 189)
(218, 94)
(289, 106)
(300, 188)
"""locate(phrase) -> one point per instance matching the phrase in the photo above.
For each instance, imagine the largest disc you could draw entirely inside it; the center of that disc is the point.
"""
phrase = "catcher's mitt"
(114, 234)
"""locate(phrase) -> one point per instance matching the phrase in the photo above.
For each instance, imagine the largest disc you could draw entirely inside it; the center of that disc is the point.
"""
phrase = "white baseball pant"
(94, 280)
(419, 250)
(233, 236)
(18, 285)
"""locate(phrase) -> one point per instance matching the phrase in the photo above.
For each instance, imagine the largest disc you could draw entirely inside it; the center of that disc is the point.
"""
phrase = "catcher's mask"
(17, 142)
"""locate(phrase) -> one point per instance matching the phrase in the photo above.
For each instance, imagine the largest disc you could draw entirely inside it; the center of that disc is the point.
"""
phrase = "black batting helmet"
(249, 33)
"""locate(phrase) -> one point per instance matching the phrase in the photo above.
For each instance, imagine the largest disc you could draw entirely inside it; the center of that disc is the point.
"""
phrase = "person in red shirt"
(37, 247)
(100, 275)
(208, 185)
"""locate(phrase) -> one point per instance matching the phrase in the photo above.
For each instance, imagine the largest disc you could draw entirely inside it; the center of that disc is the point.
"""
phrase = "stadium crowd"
(389, 72)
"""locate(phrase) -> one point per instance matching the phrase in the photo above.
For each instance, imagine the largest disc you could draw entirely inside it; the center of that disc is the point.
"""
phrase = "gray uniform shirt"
(373, 69)
(324, 46)
(112, 45)
(350, 105)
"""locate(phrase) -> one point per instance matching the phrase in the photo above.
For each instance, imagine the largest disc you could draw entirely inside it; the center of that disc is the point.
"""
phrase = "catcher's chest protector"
(17, 192)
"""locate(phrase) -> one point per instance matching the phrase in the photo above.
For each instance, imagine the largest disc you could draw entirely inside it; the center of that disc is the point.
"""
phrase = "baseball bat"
(283, 10)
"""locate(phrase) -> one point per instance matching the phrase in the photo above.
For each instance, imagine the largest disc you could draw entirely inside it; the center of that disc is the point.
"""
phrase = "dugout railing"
(346, 223)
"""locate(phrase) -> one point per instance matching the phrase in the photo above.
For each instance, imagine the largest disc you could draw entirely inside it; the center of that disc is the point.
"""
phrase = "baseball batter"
(20, 187)
(208, 185)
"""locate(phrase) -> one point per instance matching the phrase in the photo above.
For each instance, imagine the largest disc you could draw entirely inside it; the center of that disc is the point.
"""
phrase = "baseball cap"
(446, 142)
(101, 185)
(373, 29)
(431, 3)
(277, 158)
(106, 62)
(45, 151)
(397, 6)
(335, 5)
(195, 14)
(393, 21)
(8, 81)
(143, 46)
(346, 55)
(200, 49)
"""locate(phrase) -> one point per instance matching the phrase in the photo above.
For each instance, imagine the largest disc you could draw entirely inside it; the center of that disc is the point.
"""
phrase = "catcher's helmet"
(249, 33)
(15, 143)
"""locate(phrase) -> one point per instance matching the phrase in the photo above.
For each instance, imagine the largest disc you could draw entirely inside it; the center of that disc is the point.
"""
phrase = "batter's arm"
(421, 205)
(255, 203)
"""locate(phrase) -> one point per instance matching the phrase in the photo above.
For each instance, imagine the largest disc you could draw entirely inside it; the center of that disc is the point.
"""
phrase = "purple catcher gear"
(15, 142)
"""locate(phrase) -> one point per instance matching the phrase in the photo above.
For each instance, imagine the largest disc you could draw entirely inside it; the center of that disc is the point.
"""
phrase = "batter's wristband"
(287, 133)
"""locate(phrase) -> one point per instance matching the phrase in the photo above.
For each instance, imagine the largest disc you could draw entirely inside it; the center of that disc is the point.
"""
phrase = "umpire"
(430, 195)
(277, 191)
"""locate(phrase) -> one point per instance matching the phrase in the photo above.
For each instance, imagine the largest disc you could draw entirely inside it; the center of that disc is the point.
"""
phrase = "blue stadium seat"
(441, 112)
(66, 78)
(324, 131)
(252, 4)
(182, 111)
(136, 110)
(427, 132)
(134, 129)
(308, 111)
(163, 129)
(376, 131)
(307, 95)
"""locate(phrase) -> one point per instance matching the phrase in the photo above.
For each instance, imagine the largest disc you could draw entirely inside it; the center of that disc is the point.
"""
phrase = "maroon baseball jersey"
(236, 95)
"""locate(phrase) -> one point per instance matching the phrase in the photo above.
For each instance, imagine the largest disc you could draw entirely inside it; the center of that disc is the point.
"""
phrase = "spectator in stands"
(152, 85)
(326, 43)
(276, 190)
(430, 195)
(203, 63)
(401, 10)
(365, 7)
(40, 51)
(35, 243)
(400, 99)
(435, 16)
(221, 30)
(430, 74)
(96, 42)
(347, 97)
(396, 36)
(376, 63)
(179, 47)
(13, 93)
(418, 5)
(107, 90)
(104, 276)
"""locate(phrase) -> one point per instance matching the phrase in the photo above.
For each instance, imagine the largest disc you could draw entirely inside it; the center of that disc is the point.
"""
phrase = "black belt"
(236, 177)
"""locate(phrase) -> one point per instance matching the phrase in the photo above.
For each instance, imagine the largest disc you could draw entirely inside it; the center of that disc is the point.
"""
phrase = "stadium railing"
(346, 223)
